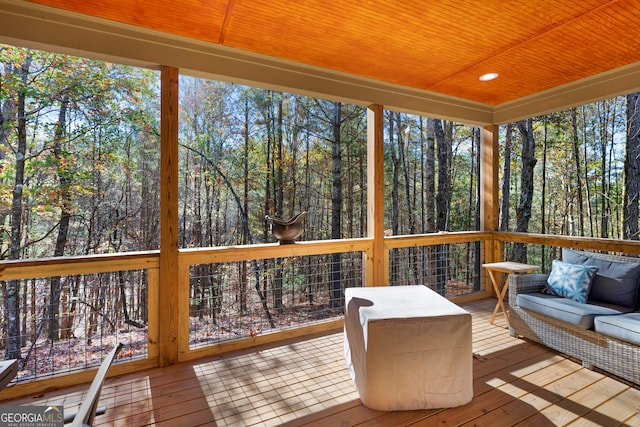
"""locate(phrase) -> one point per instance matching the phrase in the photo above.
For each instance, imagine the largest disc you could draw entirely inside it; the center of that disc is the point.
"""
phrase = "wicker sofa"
(602, 333)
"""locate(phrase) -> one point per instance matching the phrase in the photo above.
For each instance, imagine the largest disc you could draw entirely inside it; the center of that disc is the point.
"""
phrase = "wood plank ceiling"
(441, 46)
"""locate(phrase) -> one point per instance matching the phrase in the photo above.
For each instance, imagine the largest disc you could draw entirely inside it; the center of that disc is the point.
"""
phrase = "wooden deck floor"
(306, 383)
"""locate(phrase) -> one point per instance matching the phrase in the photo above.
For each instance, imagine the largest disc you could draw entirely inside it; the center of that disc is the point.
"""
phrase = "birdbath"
(286, 231)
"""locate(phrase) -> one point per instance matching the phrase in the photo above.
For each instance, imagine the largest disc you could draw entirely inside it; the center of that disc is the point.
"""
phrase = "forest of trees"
(79, 175)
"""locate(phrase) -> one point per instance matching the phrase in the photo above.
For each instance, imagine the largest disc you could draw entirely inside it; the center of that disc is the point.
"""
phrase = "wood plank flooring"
(306, 383)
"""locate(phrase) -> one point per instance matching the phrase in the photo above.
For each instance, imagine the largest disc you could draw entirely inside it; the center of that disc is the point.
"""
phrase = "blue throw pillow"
(571, 280)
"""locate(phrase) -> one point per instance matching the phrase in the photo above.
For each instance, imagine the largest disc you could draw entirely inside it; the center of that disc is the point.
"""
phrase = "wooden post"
(168, 298)
(376, 265)
(153, 280)
(489, 173)
(489, 202)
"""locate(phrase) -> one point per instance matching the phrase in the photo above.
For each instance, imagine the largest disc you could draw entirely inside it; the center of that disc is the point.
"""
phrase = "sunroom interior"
(427, 58)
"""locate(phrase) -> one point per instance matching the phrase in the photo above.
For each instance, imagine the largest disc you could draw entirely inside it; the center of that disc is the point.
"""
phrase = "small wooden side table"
(508, 268)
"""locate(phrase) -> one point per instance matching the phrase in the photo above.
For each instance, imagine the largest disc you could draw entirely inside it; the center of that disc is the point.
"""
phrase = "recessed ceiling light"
(488, 76)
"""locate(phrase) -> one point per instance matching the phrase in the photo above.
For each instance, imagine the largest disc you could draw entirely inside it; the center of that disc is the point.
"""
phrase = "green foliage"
(85, 160)
(247, 152)
(596, 174)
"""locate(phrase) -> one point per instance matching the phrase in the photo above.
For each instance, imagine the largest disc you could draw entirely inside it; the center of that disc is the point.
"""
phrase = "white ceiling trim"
(617, 82)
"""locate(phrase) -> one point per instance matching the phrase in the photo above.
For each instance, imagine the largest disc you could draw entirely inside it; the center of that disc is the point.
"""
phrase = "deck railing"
(234, 297)
(542, 249)
(103, 299)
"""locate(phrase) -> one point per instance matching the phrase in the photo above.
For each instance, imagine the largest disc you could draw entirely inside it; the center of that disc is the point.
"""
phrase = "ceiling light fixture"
(488, 76)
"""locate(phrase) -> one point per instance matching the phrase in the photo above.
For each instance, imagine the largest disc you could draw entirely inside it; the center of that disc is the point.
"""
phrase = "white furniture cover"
(408, 348)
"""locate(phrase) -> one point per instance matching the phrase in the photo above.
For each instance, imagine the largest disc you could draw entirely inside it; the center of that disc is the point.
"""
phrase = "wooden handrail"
(47, 267)
(63, 266)
(391, 242)
(271, 250)
(589, 243)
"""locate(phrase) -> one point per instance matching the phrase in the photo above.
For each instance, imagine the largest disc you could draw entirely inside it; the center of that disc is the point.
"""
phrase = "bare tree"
(576, 154)
(632, 167)
(506, 179)
(336, 203)
(65, 217)
(12, 290)
(444, 141)
(523, 211)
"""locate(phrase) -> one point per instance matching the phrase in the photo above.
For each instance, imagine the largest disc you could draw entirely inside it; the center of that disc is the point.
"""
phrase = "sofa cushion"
(564, 309)
(616, 282)
(571, 280)
(623, 327)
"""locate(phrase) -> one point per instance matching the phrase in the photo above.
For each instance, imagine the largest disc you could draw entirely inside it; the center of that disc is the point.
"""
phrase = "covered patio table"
(408, 348)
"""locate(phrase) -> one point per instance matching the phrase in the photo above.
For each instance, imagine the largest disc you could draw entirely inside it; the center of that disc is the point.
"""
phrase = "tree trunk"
(506, 179)
(477, 138)
(395, 180)
(443, 199)
(576, 154)
(310, 291)
(611, 189)
(12, 297)
(336, 204)
(243, 270)
(403, 147)
(7, 116)
(430, 197)
(632, 167)
(543, 195)
(261, 279)
(279, 182)
(395, 197)
(65, 217)
(423, 173)
(403, 150)
(604, 214)
(268, 202)
(279, 192)
(523, 211)
(69, 307)
(445, 154)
